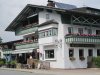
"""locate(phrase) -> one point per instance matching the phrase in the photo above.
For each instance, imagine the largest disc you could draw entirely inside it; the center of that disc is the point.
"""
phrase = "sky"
(9, 9)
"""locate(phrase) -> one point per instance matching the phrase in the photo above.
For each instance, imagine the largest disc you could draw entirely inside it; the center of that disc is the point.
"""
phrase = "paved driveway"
(9, 72)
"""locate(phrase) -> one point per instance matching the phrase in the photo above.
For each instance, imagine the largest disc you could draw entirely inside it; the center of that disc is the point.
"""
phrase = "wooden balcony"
(27, 29)
(26, 45)
(7, 51)
(82, 39)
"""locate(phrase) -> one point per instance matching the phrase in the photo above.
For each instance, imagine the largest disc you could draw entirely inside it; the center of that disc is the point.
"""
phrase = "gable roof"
(31, 8)
(65, 6)
(86, 8)
(22, 15)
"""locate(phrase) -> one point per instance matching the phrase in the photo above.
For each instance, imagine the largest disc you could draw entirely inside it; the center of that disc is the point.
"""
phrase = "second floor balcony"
(31, 28)
(82, 38)
(27, 44)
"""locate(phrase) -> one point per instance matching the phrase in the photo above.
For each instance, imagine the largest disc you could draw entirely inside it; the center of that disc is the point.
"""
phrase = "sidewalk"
(59, 71)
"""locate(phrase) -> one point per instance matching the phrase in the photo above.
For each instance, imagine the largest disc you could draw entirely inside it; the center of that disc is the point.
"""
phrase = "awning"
(18, 51)
(23, 51)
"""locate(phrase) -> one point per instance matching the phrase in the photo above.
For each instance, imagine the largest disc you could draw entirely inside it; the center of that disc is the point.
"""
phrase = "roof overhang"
(29, 8)
(47, 23)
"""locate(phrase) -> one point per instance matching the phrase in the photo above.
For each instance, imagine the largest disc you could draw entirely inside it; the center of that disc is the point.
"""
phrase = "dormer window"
(47, 16)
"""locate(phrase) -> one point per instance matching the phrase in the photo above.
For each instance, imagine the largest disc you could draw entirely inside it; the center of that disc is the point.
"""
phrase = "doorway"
(90, 58)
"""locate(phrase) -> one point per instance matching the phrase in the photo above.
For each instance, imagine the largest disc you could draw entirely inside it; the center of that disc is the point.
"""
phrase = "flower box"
(77, 34)
(82, 58)
(24, 42)
(72, 58)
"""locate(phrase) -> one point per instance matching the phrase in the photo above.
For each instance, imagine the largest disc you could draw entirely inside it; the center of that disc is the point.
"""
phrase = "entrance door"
(89, 58)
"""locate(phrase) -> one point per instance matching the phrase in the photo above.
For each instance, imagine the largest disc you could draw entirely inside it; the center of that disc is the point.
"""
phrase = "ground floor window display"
(49, 54)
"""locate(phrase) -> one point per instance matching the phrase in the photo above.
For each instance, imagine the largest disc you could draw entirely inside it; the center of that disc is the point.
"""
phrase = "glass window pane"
(55, 32)
(81, 52)
(98, 52)
(71, 52)
(49, 54)
(47, 16)
(90, 52)
(70, 30)
(89, 31)
(80, 30)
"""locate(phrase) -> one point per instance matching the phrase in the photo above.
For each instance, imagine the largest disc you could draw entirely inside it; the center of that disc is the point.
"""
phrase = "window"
(90, 52)
(48, 32)
(26, 38)
(55, 31)
(49, 54)
(71, 52)
(43, 34)
(40, 35)
(47, 16)
(89, 31)
(97, 32)
(98, 52)
(80, 30)
(81, 52)
(70, 30)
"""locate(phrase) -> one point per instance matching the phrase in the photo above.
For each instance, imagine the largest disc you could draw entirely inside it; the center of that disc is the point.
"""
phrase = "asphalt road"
(9, 72)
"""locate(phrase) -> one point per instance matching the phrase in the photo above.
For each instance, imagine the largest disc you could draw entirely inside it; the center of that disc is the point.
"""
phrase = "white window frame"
(82, 53)
(73, 52)
(89, 31)
(47, 16)
(71, 30)
(81, 29)
(50, 58)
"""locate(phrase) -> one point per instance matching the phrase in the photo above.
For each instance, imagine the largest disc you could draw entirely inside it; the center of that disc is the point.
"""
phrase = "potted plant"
(82, 58)
(13, 63)
(8, 65)
(72, 58)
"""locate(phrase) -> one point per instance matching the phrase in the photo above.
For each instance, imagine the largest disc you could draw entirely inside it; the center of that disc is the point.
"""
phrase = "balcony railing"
(27, 29)
(7, 51)
(82, 38)
(26, 45)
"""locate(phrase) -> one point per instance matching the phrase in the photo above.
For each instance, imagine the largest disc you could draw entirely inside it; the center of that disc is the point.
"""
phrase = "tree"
(0, 40)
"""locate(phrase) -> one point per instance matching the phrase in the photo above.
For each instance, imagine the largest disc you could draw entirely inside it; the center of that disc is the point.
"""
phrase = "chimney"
(51, 3)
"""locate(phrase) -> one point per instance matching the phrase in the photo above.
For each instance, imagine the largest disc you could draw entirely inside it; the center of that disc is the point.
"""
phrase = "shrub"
(13, 62)
(96, 61)
(2, 62)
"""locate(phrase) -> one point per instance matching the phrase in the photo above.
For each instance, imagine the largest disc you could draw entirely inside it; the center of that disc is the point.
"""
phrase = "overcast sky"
(9, 9)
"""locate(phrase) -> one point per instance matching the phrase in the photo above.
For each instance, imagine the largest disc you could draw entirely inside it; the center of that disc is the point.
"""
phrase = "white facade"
(52, 43)
(61, 48)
